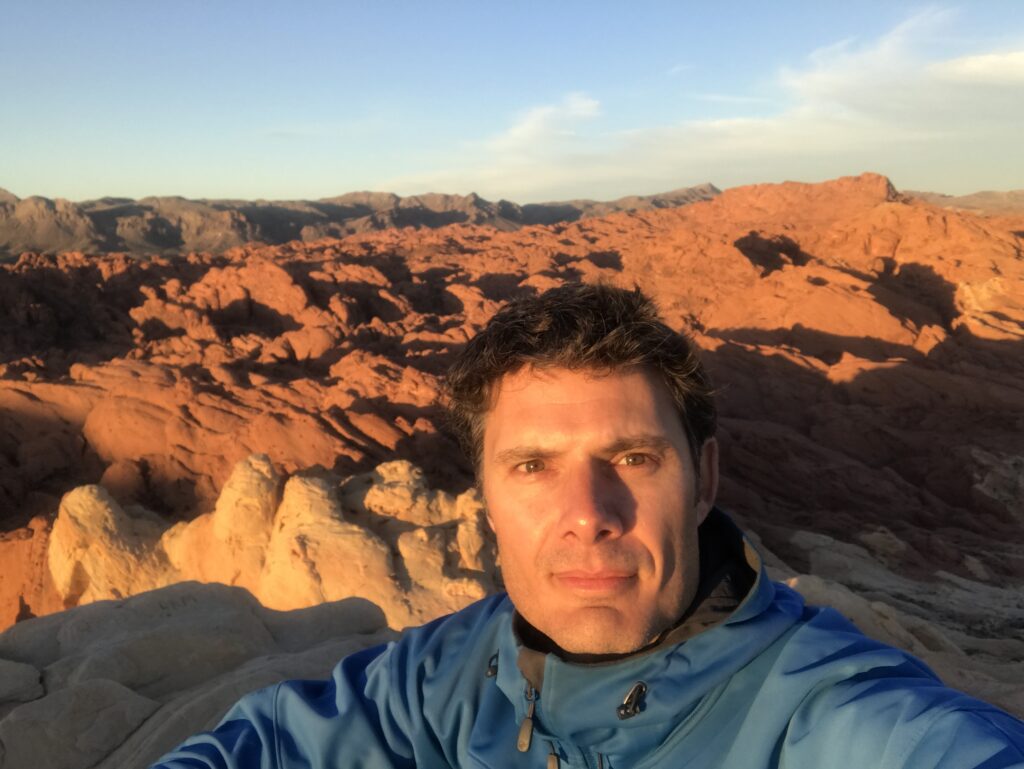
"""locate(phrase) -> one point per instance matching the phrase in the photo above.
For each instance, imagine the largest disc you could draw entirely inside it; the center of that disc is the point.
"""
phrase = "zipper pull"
(634, 700)
(526, 727)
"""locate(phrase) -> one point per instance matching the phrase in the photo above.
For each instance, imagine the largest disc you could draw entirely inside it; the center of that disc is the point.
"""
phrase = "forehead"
(545, 406)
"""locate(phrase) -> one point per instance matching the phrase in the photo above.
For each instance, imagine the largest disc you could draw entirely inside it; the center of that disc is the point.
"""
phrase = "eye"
(531, 466)
(632, 460)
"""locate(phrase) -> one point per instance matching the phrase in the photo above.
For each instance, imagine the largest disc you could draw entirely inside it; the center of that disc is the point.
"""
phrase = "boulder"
(102, 713)
(19, 682)
(100, 550)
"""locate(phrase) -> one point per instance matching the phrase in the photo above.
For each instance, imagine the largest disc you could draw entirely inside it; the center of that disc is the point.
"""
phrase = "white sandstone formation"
(415, 552)
(115, 684)
(98, 550)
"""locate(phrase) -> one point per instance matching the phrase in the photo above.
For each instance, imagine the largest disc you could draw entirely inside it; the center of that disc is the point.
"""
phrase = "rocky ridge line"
(175, 226)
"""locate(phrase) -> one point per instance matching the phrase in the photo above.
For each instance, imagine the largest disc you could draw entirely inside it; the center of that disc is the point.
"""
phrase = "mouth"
(595, 582)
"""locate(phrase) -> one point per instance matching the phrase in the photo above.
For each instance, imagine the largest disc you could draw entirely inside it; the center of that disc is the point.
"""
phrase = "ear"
(708, 479)
(483, 498)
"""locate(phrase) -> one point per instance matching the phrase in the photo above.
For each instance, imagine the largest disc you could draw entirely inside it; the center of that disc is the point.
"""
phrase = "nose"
(592, 508)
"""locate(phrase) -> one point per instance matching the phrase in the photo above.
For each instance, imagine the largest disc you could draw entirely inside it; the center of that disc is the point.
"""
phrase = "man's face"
(593, 496)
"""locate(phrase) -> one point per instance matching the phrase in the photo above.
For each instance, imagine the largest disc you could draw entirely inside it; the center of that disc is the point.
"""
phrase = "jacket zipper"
(526, 727)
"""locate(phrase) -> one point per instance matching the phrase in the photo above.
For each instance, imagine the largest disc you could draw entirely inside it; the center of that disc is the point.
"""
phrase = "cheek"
(515, 542)
(664, 532)
(516, 512)
(519, 544)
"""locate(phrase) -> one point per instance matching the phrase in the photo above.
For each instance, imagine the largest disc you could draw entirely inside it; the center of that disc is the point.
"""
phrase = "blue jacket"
(776, 684)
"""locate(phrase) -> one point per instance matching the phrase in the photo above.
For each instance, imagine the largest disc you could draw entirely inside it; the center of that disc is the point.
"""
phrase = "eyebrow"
(522, 453)
(658, 443)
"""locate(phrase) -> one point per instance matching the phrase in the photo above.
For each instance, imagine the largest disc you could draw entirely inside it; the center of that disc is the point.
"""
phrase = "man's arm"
(357, 717)
(883, 720)
(970, 739)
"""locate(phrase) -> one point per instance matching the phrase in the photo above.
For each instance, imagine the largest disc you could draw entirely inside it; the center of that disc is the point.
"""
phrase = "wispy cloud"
(996, 68)
(903, 104)
(541, 127)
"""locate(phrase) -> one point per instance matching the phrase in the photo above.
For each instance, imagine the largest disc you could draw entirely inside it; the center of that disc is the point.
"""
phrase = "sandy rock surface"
(118, 683)
(265, 419)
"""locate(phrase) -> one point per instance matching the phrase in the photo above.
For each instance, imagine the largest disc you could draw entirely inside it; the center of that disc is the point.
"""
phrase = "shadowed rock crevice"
(771, 253)
(244, 316)
(828, 348)
(912, 292)
(606, 260)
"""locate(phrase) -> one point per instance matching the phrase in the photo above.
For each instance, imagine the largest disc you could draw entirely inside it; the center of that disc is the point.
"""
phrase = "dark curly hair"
(579, 327)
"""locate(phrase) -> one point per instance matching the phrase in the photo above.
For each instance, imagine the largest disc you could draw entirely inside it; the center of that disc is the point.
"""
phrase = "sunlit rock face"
(384, 536)
(254, 434)
(174, 622)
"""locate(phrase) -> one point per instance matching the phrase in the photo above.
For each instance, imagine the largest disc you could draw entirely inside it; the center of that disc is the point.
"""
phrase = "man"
(639, 629)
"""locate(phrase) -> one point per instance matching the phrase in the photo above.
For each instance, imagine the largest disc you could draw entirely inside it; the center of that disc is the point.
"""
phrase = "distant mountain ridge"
(175, 225)
(987, 202)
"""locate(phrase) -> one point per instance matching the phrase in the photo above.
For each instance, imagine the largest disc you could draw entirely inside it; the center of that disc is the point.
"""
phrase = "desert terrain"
(172, 226)
(227, 467)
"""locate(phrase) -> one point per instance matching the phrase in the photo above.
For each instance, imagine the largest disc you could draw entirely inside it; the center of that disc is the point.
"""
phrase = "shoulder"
(393, 696)
(449, 643)
(971, 733)
(454, 631)
(898, 721)
(881, 706)
(829, 647)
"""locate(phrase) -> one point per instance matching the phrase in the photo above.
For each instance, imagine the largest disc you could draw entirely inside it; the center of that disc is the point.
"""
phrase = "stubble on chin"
(600, 630)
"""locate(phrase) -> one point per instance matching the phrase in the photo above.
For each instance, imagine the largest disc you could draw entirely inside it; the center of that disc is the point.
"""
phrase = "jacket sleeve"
(896, 717)
(984, 738)
(357, 718)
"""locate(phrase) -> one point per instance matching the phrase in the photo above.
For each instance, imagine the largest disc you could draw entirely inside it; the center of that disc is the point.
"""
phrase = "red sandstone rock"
(869, 348)
(26, 588)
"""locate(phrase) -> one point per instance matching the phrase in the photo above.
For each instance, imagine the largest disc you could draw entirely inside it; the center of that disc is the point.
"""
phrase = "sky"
(528, 101)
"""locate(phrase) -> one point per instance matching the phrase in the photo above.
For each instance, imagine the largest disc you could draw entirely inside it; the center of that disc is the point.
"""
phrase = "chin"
(612, 634)
(598, 646)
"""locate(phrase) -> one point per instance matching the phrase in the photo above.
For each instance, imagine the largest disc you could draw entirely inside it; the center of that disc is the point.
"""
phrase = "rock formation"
(383, 536)
(868, 348)
(1009, 202)
(171, 226)
(116, 684)
(265, 418)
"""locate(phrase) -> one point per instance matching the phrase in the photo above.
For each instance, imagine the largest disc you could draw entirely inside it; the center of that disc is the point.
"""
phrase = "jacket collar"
(723, 631)
(725, 579)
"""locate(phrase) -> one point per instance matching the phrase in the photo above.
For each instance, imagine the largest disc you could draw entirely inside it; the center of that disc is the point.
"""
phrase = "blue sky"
(530, 101)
